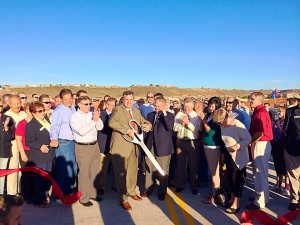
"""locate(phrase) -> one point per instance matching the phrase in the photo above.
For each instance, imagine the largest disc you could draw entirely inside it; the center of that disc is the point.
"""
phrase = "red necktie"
(131, 117)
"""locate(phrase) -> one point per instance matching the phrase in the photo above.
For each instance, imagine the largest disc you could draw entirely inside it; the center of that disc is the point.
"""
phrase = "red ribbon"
(68, 199)
(264, 218)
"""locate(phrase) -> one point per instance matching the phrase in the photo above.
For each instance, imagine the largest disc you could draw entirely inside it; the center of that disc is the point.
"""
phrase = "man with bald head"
(12, 162)
(232, 108)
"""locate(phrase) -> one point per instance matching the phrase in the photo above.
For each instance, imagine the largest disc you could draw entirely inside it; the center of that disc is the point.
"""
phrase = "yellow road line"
(172, 210)
(183, 206)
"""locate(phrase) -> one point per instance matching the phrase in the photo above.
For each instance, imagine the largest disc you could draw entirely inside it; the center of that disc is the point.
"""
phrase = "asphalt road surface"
(183, 208)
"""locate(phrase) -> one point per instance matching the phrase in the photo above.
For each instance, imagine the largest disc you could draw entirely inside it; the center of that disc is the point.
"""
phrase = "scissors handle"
(138, 136)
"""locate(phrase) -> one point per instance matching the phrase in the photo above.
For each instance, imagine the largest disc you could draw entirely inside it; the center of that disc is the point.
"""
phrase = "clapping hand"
(96, 115)
(201, 115)
(5, 125)
(185, 120)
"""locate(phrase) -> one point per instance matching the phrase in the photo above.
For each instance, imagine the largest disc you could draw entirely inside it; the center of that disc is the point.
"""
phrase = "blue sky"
(239, 44)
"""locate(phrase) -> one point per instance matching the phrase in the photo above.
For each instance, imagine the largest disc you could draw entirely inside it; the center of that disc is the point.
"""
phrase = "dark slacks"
(27, 179)
(236, 177)
(41, 184)
(187, 150)
(278, 157)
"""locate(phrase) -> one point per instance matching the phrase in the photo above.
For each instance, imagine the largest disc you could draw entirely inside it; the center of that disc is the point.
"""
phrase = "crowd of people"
(204, 141)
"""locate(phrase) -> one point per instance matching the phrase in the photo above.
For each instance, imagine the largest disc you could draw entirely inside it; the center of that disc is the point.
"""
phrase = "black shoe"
(252, 206)
(97, 199)
(87, 204)
(232, 211)
(42, 205)
(194, 191)
(293, 206)
(220, 198)
(178, 190)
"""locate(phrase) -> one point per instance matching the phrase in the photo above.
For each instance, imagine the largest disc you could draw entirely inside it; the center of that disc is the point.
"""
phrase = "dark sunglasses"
(150, 96)
(47, 102)
(229, 102)
(86, 104)
(23, 97)
(1, 105)
(40, 111)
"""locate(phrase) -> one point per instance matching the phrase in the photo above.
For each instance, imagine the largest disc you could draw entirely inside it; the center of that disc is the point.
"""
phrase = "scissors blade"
(152, 158)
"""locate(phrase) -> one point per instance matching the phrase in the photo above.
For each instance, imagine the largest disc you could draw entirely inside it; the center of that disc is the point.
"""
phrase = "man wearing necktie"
(124, 154)
(159, 142)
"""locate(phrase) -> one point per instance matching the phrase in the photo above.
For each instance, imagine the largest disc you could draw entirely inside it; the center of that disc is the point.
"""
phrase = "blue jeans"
(66, 166)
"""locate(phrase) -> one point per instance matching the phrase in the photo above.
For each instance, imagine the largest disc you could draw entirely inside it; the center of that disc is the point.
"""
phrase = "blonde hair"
(160, 99)
(219, 115)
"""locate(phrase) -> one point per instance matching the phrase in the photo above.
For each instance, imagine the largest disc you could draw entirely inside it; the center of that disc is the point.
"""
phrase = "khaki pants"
(213, 160)
(88, 157)
(293, 171)
(261, 155)
(125, 172)
(152, 174)
(13, 180)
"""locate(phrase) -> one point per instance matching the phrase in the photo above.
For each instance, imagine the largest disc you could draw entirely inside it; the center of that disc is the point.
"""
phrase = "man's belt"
(187, 139)
(86, 143)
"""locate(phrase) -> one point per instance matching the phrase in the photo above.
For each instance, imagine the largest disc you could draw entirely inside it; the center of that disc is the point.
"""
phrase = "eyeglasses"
(41, 110)
(23, 97)
(229, 102)
(47, 102)
(36, 96)
(86, 104)
(150, 96)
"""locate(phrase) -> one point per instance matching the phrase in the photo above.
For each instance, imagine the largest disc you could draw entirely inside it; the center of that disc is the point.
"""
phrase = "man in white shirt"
(84, 125)
(13, 162)
(187, 128)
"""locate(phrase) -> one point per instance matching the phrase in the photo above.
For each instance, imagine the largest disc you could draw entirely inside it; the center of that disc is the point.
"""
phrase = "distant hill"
(139, 90)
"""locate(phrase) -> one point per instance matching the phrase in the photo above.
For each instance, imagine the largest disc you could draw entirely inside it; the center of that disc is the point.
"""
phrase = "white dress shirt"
(84, 128)
(191, 131)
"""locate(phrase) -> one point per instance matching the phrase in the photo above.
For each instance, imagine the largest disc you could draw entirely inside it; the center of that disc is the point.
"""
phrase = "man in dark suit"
(159, 141)
(124, 154)
(104, 137)
(292, 151)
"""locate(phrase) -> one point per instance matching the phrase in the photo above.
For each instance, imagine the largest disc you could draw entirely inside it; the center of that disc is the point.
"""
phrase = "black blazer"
(6, 137)
(104, 135)
(35, 137)
(161, 134)
(292, 131)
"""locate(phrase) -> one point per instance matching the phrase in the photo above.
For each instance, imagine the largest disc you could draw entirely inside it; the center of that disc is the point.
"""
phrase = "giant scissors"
(139, 139)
